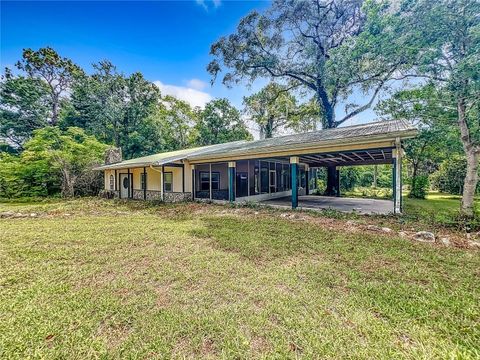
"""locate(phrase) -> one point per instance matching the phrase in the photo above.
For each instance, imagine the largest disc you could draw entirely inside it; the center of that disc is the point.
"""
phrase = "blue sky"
(168, 41)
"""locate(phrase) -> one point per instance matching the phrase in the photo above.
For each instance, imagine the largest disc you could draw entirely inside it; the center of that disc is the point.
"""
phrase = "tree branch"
(362, 108)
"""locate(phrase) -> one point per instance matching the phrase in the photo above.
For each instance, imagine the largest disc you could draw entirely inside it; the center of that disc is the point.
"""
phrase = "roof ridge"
(330, 129)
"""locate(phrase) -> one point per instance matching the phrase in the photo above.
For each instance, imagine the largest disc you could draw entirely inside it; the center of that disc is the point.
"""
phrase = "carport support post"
(397, 178)
(294, 160)
(307, 175)
(231, 181)
(337, 183)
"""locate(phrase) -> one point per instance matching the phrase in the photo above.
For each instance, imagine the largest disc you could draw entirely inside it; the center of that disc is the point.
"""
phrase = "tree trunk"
(473, 156)
(331, 189)
(329, 123)
(54, 111)
(269, 128)
(67, 183)
(470, 182)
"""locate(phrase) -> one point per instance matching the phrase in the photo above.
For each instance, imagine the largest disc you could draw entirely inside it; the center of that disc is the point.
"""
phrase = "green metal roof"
(162, 158)
(342, 135)
(347, 134)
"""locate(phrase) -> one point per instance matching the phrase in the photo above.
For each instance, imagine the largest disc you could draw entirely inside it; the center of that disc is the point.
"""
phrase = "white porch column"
(397, 163)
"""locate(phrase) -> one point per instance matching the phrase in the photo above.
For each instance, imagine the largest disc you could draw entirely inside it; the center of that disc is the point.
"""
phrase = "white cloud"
(193, 96)
(196, 84)
(203, 3)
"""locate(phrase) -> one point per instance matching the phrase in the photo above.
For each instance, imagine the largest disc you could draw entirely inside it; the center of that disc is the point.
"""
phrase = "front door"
(125, 182)
(242, 184)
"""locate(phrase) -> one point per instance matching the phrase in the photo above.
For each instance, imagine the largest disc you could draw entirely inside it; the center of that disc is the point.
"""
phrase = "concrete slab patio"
(314, 202)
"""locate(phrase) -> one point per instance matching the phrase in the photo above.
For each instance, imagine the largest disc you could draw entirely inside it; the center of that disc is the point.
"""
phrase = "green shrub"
(348, 178)
(51, 157)
(450, 175)
(419, 187)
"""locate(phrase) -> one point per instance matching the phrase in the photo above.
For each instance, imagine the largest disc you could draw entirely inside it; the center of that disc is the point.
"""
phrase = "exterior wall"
(188, 177)
(157, 195)
(177, 196)
(154, 181)
(106, 177)
(154, 184)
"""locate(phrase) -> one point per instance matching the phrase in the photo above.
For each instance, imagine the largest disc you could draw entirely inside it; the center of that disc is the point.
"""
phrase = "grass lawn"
(438, 208)
(104, 279)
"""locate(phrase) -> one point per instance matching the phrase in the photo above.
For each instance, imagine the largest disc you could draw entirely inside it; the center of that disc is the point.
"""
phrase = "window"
(112, 182)
(215, 180)
(205, 180)
(264, 177)
(143, 181)
(168, 182)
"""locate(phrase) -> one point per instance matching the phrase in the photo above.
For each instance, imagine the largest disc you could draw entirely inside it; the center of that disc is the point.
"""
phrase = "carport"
(278, 170)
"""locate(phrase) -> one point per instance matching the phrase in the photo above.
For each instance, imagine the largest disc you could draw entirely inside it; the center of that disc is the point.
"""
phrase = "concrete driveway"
(314, 202)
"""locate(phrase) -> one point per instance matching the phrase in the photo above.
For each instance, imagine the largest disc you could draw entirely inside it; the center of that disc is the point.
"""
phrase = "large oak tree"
(307, 44)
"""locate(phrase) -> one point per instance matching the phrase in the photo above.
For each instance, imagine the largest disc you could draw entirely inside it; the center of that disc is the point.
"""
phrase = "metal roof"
(376, 130)
(383, 129)
(162, 158)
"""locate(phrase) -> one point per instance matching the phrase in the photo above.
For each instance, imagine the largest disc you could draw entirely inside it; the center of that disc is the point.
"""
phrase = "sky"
(168, 41)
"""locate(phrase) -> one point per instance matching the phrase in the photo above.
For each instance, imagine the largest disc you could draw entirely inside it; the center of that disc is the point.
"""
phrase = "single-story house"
(242, 171)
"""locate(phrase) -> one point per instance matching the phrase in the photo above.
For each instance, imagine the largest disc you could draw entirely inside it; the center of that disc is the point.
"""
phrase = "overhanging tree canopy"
(307, 44)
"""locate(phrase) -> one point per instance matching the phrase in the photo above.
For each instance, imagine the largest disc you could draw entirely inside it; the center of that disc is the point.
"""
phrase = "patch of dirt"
(208, 347)
(113, 334)
(163, 296)
(259, 345)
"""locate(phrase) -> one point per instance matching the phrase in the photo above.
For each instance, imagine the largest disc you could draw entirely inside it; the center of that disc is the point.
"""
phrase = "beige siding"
(107, 175)
(154, 178)
(188, 177)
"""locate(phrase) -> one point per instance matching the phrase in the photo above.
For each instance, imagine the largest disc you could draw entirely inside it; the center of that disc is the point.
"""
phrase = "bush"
(348, 178)
(420, 186)
(53, 161)
(450, 175)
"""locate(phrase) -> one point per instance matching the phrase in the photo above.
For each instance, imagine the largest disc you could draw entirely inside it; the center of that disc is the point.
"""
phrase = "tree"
(24, 107)
(433, 113)
(177, 122)
(307, 44)
(220, 122)
(57, 72)
(117, 109)
(68, 154)
(272, 108)
(444, 47)
(450, 176)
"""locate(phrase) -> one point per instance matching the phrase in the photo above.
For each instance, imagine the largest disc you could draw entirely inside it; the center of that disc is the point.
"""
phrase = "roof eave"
(403, 134)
